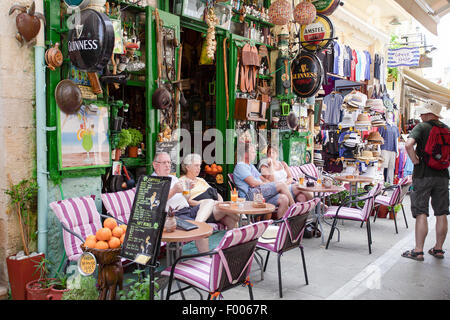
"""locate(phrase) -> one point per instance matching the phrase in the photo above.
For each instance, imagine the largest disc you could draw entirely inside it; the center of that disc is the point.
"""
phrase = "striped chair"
(348, 213)
(119, 204)
(222, 268)
(309, 168)
(400, 191)
(289, 235)
(79, 218)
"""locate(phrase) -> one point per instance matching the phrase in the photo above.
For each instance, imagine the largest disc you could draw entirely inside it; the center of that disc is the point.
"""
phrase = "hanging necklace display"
(91, 42)
(326, 7)
(307, 74)
(317, 35)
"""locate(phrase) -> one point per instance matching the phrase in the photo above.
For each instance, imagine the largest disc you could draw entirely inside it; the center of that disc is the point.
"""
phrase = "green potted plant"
(82, 288)
(123, 141)
(39, 289)
(21, 266)
(59, 287)
(138, 287)
(136, 140)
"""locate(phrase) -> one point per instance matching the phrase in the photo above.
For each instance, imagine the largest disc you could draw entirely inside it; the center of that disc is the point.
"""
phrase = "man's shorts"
(425, 188)
(268, 190)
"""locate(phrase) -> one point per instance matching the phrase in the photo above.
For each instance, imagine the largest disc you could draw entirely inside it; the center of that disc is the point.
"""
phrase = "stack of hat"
(363, 122)
(367, 156)
(353, 102)
(377, 120)
(352, 140)
(377, 155)
(375, 105)
(347, 122)
(375, 138)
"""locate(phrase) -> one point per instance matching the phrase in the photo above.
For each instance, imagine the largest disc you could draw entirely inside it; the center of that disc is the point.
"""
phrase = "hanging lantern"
(305, 13)
(280, 12)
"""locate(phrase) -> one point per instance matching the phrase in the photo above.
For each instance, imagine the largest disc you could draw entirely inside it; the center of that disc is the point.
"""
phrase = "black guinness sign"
(91, 41)
(307, 74)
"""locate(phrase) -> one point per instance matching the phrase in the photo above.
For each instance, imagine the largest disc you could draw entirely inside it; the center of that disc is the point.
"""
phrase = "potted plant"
(123, 141)
(81, 288)
(58, 288)
(138, 287)
(21, 266)
(136, 140)
(39, 289)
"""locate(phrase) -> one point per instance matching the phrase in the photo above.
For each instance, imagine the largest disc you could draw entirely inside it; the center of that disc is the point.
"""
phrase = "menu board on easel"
(146, 223)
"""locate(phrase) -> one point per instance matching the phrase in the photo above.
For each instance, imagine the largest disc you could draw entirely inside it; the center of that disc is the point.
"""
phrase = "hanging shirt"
(358, 65)
(341, 60)
(337, 53)
(390, 135)
(333, 112)
(353, 66)
(368, 63)
(382, 71)
(363, 65)
(376, 70)
(347, 61)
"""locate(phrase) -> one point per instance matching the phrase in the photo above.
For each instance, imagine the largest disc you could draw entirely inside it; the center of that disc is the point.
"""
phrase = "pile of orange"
(111, 236)
(213, 169)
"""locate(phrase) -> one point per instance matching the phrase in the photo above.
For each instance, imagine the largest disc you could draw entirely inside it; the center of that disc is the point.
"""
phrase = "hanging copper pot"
(54, 57)
(27, 22)
(68, 96)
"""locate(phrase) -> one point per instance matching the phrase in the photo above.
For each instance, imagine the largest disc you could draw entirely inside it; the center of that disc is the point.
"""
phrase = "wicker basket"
(103, 256)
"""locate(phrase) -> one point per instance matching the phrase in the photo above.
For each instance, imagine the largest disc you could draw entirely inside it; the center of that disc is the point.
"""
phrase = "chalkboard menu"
(144, 230)
(172, 149)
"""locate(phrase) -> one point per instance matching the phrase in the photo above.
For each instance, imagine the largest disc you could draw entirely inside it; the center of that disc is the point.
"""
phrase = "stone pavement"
(346, 271)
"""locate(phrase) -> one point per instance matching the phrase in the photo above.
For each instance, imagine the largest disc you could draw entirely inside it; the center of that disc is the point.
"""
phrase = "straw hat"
(347, 122)
(378, 120)
(363, 120)
(375, 138)
(367, 156)
(270, 235)
(431, 107)
(375, 105)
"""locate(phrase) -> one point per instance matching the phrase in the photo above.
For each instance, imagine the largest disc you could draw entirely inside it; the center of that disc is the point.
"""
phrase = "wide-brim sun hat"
(431, 107)
(375, 137)
(367, 156)
(347, 122)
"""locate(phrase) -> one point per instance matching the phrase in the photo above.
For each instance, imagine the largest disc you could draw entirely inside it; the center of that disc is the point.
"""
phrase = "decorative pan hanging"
(305, 13)
(91, 43)
(317, 35)
(326, 7)
(280, 12)
(68, 96)
(307, 74)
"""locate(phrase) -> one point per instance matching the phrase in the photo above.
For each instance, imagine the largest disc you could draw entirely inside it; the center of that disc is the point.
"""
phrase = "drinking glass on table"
(301, 180)
(186, 188)
(319, 178)
(234, 196)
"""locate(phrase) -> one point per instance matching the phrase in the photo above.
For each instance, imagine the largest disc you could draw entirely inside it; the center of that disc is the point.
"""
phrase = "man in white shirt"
(162, 165)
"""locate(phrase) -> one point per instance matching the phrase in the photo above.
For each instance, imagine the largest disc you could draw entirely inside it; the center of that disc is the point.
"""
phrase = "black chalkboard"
(146, 223)
(172, 149)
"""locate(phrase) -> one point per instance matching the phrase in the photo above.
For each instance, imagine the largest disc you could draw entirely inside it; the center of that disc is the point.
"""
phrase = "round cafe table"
(354, 180)
(319, 191)
(245, 207)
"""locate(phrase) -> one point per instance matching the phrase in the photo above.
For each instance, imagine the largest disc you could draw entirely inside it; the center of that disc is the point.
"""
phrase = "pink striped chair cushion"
(397, 196)
(344, 213)
(79, 215)
(310, 169)
(296, 209)
(194, 271)
(383, 200)
(119, 204)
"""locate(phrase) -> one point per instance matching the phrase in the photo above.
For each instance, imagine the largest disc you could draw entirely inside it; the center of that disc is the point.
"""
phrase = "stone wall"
(17, 125)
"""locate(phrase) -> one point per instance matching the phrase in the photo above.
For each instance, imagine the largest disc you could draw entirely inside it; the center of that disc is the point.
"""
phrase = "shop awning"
(426, 89)
(426, 12)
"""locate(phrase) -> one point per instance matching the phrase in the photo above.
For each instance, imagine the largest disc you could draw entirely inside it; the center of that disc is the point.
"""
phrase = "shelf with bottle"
(128, 5)
(250, 18)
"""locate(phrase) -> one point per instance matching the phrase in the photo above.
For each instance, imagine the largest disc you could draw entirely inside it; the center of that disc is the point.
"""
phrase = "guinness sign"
(326, 7)
(307, 74)
(312, 35)
(91, 41)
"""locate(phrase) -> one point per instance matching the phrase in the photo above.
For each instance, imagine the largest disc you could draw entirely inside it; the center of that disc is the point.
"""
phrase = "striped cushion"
(296, 209)
(79, 215)
(194, 271)
(310, 169)
(383, 200)
(344, 213)
(119, 204)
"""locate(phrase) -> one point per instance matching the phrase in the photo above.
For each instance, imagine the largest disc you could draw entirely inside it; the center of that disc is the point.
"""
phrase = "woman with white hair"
(202, 193)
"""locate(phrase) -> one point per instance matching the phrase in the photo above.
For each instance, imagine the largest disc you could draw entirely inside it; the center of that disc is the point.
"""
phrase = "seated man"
(249, 180)
(161, 165)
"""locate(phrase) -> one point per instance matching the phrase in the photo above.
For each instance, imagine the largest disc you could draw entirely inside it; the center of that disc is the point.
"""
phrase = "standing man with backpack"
(431, 159)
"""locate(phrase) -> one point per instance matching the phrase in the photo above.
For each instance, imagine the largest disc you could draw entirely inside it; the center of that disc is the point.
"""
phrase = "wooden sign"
(145, 227)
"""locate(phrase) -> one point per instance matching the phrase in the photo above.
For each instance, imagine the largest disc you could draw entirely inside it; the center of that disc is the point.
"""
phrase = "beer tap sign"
(307, 74)
(317, 35)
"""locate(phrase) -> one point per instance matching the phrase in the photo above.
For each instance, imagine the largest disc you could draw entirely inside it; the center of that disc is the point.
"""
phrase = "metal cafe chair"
(346, 212)
(221, 269)
(289, 236)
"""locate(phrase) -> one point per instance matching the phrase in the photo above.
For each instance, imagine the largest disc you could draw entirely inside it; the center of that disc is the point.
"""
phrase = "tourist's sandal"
(411, 254)
(436, 253)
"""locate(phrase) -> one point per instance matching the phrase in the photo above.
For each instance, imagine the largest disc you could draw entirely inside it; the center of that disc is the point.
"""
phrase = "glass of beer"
(234, 196)
(186, 189)
(301, 181)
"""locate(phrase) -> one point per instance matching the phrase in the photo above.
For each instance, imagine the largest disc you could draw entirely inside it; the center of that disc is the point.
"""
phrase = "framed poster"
(317, 111)
(83, 138)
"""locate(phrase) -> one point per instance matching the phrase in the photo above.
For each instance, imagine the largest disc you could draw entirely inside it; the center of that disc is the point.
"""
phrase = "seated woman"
(201, 193)
(278, 171)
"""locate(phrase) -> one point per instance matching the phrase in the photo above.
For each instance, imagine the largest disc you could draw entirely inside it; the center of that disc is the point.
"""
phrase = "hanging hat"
(375, 138)
(375, 105)
(355, 101)
(292, 120)
(161, 98)
(377, 120)
(363, 120)
(68, 96)
(305, 13)
(352, 140)
(280, 12)
(431, 107)
(347, 122)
